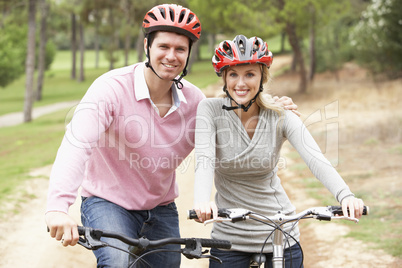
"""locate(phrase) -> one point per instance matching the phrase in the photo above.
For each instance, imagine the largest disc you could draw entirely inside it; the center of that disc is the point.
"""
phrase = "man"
(129, 133)
(131, 130)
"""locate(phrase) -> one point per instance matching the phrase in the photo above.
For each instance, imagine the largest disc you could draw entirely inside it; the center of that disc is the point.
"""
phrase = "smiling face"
(168, 54)
(243, 82)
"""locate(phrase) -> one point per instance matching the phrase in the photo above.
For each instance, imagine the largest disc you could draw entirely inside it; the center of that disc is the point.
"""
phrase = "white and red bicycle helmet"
(172, 18)
(241, 51)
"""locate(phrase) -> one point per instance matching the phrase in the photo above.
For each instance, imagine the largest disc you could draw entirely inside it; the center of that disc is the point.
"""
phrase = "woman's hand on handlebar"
(62, 227)
(206, 211)
(355, 206)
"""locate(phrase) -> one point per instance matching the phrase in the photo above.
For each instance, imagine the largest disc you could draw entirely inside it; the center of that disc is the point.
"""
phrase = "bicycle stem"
(277, 259)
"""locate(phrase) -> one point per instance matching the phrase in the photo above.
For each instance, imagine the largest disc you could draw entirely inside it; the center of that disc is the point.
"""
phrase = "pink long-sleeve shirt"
(117, 147)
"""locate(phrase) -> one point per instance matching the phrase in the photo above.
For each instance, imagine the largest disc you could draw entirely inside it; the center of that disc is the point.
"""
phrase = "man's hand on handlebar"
(62, 227)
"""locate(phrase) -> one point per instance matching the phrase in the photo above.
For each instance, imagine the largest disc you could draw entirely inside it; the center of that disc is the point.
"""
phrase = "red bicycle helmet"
(241, 51)
(172, 18)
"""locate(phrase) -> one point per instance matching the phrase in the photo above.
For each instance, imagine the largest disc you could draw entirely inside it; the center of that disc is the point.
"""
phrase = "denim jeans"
(157, 223)
(236, 259)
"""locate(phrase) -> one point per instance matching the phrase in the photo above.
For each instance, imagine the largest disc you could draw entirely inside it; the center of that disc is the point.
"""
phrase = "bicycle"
(193, 247)
(237, 214)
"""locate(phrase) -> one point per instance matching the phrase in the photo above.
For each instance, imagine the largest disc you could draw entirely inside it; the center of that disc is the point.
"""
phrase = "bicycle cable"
(286, 234)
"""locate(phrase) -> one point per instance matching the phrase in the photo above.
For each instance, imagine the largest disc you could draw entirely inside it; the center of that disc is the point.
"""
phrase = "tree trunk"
(194, 55)
(140, 46)
(30, 61)
(211, 43)
(283, 36)
(127, 40)
(42, 48)
(112, 41)
(82, 52)
(312, 46)
(294, 42)
(96, 41)
(73, 46)
(293, 65)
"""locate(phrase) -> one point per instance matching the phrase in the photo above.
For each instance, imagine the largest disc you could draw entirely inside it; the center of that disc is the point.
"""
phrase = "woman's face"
(243, 82)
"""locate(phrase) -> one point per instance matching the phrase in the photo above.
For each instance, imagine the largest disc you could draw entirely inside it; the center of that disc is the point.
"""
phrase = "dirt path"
(17, 118)
(324, 243)
(25, 242)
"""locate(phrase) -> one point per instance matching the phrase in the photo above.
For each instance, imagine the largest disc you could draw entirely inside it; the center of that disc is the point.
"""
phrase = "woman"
(238, 141)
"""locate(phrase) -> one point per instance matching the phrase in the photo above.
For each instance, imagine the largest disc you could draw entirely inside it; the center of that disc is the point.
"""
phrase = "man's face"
(168, 53)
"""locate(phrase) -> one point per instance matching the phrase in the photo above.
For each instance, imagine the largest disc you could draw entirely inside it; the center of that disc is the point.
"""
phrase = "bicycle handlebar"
(320, 213)
(95, 234)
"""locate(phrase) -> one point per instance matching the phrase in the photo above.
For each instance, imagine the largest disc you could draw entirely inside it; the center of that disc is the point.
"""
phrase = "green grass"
(382, 228)
(28, 146)
(376, 230)
(274, 45)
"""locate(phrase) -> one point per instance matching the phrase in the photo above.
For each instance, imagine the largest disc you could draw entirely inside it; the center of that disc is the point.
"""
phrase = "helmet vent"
(152, 15)
(190, 18)
(196, 26)
(181, 17)
(256, 45)
(227, 49)
(171, 12)
(241, 47)
(162, 10)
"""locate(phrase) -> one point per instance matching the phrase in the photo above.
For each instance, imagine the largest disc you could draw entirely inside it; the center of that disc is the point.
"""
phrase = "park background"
(340, 61)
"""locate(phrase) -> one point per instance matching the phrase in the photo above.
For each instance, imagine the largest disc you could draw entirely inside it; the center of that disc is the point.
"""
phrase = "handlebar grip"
(81, 230)
(212, 243)
(338, 210)
(191, 214)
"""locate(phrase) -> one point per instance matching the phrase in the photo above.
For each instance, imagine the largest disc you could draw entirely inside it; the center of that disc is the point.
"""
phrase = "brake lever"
(219, 219)
(92, 242)
(345, 218)
(193, 249)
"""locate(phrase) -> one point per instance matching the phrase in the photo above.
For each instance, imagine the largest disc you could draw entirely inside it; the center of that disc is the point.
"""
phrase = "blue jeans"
(160, 222)
(237, 259)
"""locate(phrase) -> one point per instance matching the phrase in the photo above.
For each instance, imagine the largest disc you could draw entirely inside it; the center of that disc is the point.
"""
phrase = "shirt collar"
(142, 91)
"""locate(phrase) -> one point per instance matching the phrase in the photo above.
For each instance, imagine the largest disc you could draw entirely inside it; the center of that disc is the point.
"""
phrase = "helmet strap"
(241, 106)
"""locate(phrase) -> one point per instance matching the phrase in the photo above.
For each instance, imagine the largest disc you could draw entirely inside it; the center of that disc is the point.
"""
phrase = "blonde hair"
(264, 100)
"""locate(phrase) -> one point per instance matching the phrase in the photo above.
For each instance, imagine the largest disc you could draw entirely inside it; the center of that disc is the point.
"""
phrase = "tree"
(73, 46)
(44, 10)
(82, 51)
(377, 38)
(13, 37)
(30, 61)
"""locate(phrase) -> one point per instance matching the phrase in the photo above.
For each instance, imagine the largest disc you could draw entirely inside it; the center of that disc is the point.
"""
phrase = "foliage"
(332, 40)
(377, 38)
(12, 52)
(50, 54)
(13, 45)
